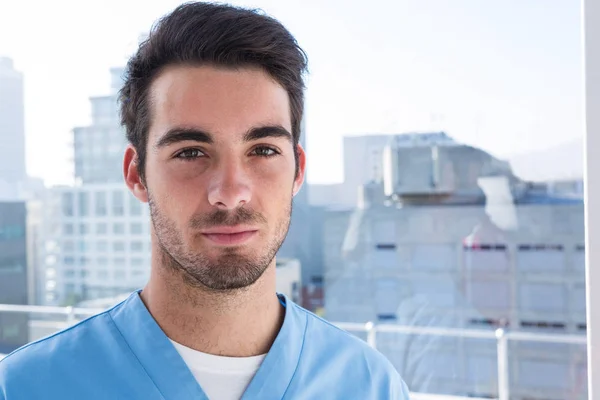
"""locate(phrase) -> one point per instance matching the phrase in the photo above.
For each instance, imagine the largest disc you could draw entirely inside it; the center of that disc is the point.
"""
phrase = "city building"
(451, 238)
(12, 127)
(13, 274)
(363, 163)
(102, 246)
(302, 243)
(98, 240)
(99, 147)
(15, 186)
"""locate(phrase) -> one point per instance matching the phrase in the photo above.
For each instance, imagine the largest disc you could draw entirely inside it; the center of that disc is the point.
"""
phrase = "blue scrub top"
(123, 354)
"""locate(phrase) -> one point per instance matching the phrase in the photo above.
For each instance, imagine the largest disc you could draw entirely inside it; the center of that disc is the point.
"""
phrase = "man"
(212, 106)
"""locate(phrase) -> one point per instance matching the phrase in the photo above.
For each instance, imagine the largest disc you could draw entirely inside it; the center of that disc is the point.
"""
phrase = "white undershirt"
(221, 378)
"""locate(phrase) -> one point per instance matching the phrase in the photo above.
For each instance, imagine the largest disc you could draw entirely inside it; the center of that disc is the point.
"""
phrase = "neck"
(238, 323)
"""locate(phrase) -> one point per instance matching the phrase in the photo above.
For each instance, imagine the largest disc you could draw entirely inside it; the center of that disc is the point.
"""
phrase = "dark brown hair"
(210, 34)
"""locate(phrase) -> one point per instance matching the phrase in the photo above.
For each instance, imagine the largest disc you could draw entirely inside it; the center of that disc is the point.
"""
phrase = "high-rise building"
(12, 133)
(98, 147)
(12, 124)
(13, 274)
(101, 241)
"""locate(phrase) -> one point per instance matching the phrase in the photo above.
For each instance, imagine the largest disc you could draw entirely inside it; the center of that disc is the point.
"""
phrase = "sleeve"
(3, 388)
(399, 389)
(13, 385)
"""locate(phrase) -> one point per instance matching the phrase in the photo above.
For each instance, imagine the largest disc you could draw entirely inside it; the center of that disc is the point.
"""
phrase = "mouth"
(229, 235)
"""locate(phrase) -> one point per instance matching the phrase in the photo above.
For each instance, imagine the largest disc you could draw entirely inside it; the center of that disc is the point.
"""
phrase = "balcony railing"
(501, 336)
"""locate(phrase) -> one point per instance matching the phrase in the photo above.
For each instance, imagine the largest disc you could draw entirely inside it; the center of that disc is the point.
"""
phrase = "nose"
(229, 187)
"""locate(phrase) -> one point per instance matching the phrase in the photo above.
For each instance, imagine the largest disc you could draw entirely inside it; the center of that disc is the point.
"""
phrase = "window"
(490, 295)
(118, 228)
(136, 228)
(68, 229)
(117, 203)
(541, 257)
(51, 260)
(446, 184)
(135, 207)
(68, 246)
(69, 273)
(69, 288)
(137, 262)
(384, 256)
(85, 273)
(119, 247)
(67, 204)
(100, 200)
(486, 257)
(83, 204)
(101, 228)
(102, 246)
(434, 257)
(137, 246)
(543, 297)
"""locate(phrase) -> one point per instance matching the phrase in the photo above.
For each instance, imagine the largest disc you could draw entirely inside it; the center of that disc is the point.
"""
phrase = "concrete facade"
(495, 252)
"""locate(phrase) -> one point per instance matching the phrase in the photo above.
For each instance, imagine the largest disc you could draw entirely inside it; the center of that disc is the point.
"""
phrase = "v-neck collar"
(173, 378)
(154, 351)
(277, 370)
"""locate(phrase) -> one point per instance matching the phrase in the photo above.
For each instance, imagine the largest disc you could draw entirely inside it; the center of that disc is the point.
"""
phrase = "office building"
(12, 126)
(13, 274)
(451, 238)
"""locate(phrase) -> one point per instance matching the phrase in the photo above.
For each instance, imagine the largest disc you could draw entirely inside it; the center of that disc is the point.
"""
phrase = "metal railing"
(501, 336)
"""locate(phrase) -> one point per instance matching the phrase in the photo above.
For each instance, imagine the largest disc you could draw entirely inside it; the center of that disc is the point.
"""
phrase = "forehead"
(218, 100)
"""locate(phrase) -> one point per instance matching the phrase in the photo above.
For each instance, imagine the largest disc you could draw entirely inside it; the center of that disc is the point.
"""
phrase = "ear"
(131, 173)
(299, 180)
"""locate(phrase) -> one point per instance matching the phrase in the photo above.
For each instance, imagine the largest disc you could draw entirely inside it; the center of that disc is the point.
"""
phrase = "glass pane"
(100, 199)
(443, 199)
(117, 203)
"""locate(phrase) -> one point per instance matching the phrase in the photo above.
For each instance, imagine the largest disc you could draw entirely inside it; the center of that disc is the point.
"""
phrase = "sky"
(503, 75)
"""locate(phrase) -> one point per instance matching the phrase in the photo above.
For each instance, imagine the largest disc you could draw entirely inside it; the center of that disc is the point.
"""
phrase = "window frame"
(591, 39)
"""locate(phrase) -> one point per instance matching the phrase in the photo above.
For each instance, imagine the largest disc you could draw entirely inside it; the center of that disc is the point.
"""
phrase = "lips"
(229, 235)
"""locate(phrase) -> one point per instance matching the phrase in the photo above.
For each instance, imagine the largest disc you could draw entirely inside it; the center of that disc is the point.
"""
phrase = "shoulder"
(327, 343)
(55, 355)
(331, 336)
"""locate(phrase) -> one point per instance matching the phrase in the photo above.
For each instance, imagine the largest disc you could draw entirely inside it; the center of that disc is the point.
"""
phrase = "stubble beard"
(235, 268)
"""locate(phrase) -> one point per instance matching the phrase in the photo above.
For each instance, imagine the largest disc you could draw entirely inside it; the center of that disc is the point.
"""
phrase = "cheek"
(278, 174)
(274, 188)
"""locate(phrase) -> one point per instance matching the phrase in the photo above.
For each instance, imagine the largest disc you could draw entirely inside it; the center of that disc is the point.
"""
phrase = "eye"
(189, 154)
(265, 151)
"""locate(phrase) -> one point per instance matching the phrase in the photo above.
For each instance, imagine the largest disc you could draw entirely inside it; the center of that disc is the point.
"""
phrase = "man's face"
(220, 172)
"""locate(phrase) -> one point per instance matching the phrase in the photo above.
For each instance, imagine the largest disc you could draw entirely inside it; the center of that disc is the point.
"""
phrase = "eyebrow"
(261, 132)
(182, 134)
